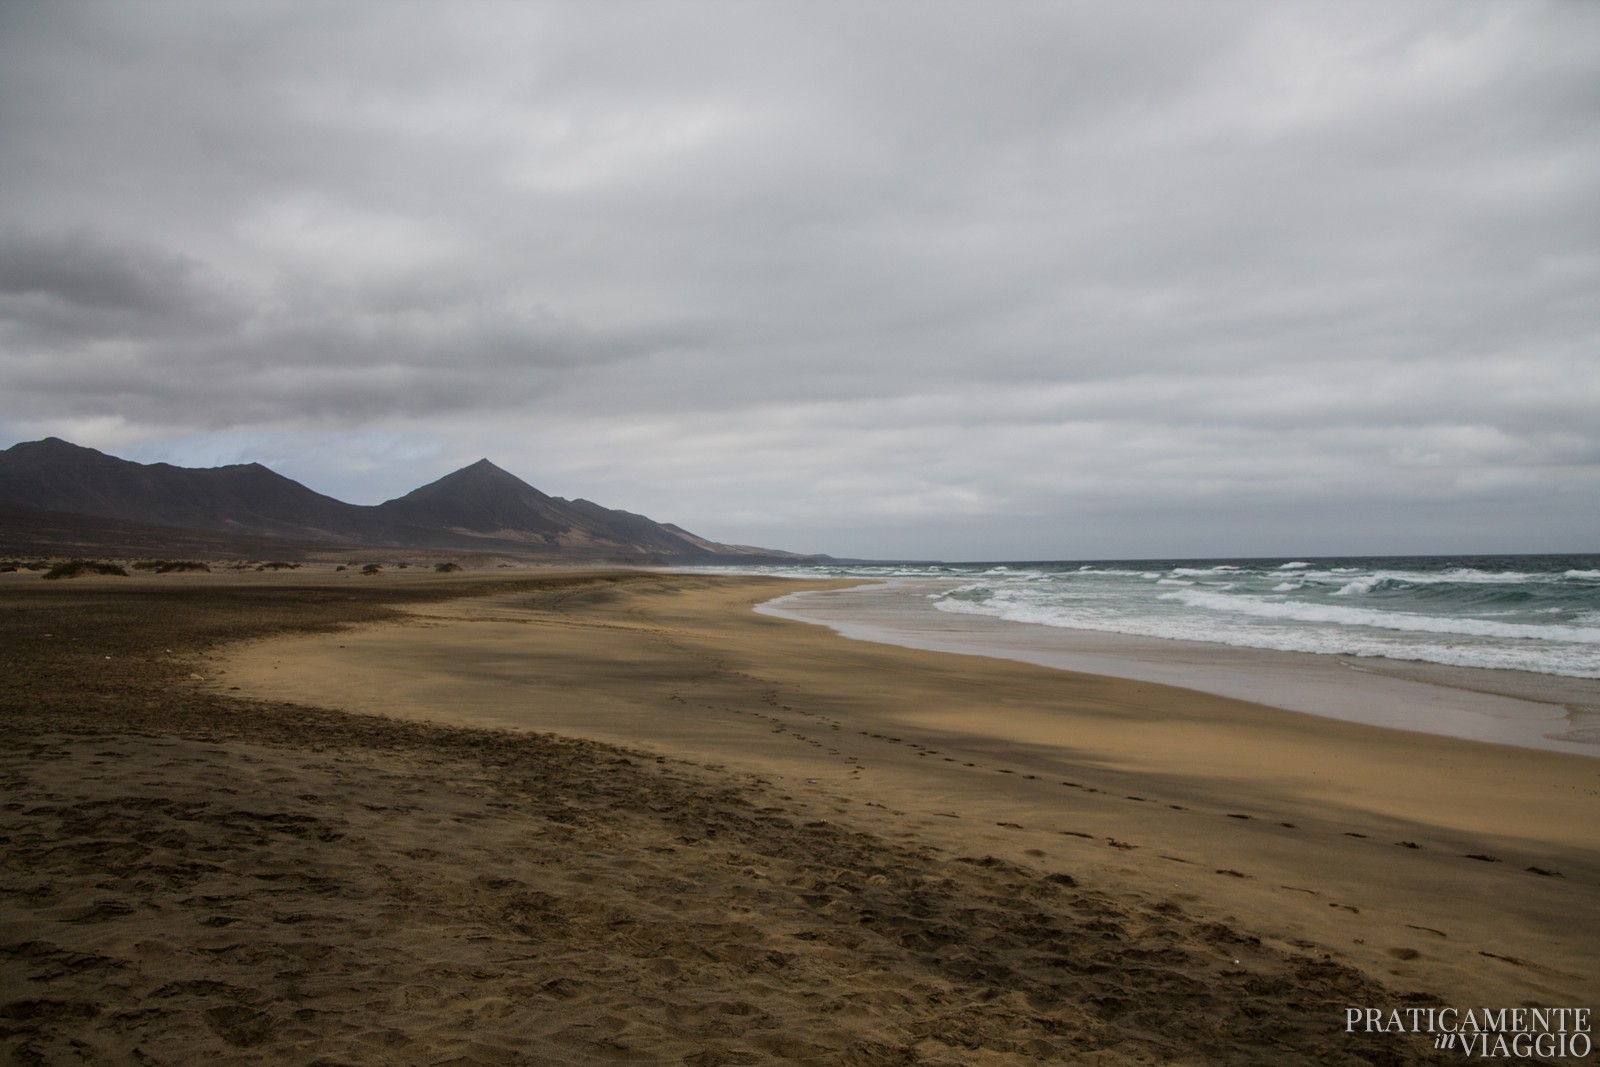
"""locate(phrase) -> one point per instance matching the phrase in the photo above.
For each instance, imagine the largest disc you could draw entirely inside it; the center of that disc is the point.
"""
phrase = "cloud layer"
(1055, 280)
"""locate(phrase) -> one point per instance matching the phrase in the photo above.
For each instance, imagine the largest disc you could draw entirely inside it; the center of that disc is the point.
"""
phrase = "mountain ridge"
(480, 507)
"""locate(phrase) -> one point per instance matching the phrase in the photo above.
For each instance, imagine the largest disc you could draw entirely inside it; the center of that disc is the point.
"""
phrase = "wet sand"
(1504, 707)
(595, 818)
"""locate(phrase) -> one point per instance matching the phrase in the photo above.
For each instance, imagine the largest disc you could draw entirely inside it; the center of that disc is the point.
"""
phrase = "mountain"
(478, 508)
(56, 475)
(483, 500)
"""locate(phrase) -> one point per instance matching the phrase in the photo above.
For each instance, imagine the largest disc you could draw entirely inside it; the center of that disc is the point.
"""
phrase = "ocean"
(1288, 632)
(1525, 613)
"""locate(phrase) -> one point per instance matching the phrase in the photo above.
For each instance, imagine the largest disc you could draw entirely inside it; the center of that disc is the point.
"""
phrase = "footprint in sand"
(1426, 930)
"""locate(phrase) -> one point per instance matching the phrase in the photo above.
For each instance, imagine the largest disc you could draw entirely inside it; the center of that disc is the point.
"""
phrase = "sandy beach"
(621, 817)
(1507, 707)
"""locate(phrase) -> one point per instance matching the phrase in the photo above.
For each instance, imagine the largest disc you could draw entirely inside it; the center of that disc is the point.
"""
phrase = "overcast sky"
(930, 280)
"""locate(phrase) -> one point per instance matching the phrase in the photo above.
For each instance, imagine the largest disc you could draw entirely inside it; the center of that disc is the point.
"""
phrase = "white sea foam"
(1540, 658)
(1383, 620)
(1459, 612)
(1360, 586)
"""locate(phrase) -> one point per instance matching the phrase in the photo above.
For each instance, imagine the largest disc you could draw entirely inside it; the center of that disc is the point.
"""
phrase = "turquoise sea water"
(1539, 614)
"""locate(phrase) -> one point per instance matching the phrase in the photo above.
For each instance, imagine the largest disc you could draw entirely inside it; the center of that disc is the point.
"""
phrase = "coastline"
(570, 817)
(1302, 814)
(1501, 707)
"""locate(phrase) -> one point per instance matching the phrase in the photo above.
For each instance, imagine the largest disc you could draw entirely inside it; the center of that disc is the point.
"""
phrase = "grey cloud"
(52, 277)
(1022, 258)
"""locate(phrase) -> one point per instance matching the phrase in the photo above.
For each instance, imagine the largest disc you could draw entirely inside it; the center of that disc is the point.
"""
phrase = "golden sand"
(750, 840)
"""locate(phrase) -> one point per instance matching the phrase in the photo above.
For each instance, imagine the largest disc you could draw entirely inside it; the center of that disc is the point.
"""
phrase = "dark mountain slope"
(243, 498)
(482, 500)
(480, 507)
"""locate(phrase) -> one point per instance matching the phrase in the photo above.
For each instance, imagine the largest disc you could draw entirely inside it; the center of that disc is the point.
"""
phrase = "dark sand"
(752, 841)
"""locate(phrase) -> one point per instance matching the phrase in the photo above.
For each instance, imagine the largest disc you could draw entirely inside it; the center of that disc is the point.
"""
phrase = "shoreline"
(579, 816)
(1289, 823)
(1500, 707)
